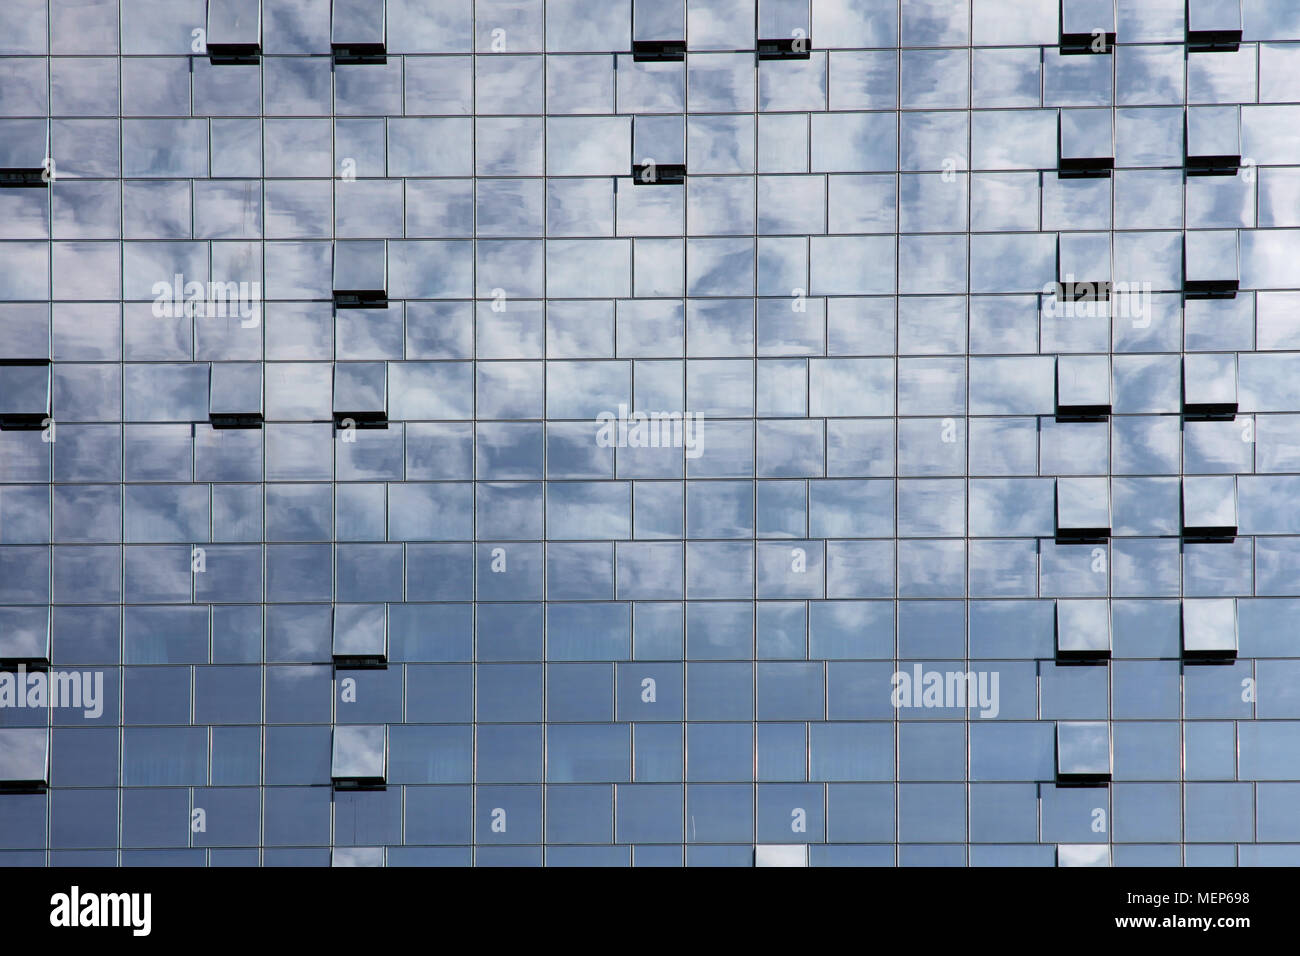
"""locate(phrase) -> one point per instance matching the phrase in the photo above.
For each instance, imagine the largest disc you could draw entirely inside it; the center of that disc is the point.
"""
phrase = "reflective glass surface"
(649, 432)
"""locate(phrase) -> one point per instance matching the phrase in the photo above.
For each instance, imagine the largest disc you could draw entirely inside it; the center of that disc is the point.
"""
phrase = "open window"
(24, 758)
(357, 31)
(1213, 25)
(24, 394)
(1209, 629)
(1210, 507)
(25, 152)
(1210, 385)
(360, 756)
(1211, 263)
(781, 854)
(1083, 390)
(1083, 754)
(361, 394)
(1213, 137)
(1083, 267)
(234, 30)
(360, 635)
(658, 150)
(360, 274)
(1086, 143)
(357, 856)
(783, 31)
(1082, 509)
(658, 30)
(24, 636)
(1087, 26)
(235, 395)
(1083, 630)
(1083, 854)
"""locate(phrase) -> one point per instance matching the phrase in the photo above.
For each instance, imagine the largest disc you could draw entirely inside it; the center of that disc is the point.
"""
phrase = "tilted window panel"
(1211, 263)
(1083, 266)
(1086, 142)
(1083, 854)
(1083, 751)
(1213, 136)
(360, 756)
(1083, 508)
(1213, 24)
(783, 30)
(1083, 630)
(360, 393)
(360, 273)
(357, 856)
(24, 394)
(1210, 506)
(234, 30)
(1209, 628)
(358, 31)
(658, 30)
(24, 631)
(1087, 26)
(360, 635)
(658, 150)
(781, 854)
(25, 153)
(24, 758)
(235, 395)
(1083, 386)
(1210, 385)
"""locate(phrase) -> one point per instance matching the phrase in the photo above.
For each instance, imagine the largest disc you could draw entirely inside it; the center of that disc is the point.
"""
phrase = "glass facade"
(649, 432)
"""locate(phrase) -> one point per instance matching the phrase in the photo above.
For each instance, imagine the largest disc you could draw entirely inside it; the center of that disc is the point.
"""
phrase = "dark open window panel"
(1085, 144)
(1210, 386)
(1083, 267)
(783, 30)
(361, 394)
(25, 393)
(1087, 26)
(359, 758)
(1213, 140)
(659, 174)
(1083, 509)
(1083, 752)
(1209, 504)
(24, 758)
(658, 31)
(234, 31)
(785, 48)
(24, 151)
(1083, 632)
(360, 635)
(360, 274)
(358, 31)
(658, 51)
(1213, 25)
(235, 395)
(1211, 264)
(1083, 389)
(1209, 630)
(24, 636)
